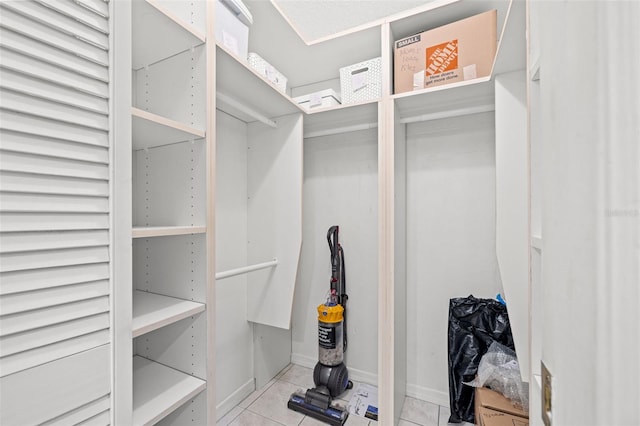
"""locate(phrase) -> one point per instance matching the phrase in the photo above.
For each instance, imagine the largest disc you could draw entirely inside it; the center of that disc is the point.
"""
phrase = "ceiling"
(317, 19)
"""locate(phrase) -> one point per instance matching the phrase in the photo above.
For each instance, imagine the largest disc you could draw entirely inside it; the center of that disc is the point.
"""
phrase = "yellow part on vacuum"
(330, 314)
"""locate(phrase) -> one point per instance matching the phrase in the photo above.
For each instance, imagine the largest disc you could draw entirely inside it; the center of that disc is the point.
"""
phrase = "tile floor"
(268, 406)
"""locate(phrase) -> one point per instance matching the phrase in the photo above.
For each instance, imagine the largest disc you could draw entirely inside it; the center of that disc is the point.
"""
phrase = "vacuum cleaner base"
(316, 403)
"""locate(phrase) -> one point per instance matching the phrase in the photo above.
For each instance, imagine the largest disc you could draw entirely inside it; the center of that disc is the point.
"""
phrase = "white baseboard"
(235, 398)
(354, 374)
(427, 394)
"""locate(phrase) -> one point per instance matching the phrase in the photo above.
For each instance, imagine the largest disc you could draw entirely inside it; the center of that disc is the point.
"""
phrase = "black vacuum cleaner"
(330, 375)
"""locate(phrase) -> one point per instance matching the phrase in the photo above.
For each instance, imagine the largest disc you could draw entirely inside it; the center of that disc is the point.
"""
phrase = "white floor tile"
(273, 404)
(299, 376)
(230, 416)
(247, 418)
(245, 403)
(283, 371)
(403, 422)
(443, 419)
(420, 412)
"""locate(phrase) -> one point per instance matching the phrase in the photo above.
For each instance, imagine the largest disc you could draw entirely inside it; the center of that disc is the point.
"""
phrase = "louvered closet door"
(55, 351)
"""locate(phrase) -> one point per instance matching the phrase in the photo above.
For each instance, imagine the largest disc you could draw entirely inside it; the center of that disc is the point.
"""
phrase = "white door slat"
(53, 111)
(35, 241)
(19, 82)
(102, 419)
(38, 299)
(80, 13)
(43, 146)
(26, 163)
(10, 262)
(100, 7)
(41, 203)
(39, 356)
(59, 387)
(78, 415)
(40, 337)
(29, 125)
(37, 184)
(18, 323)
(16, 282)
(70, 64)
(46, 66)
(47, 35)
(29, 222)
(55, 20)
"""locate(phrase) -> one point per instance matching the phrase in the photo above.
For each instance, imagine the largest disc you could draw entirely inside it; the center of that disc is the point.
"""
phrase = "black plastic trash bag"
(473, 325)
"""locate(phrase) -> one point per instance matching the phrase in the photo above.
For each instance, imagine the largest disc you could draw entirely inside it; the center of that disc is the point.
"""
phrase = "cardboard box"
(362, 81)
(462, 50)
(268, 71)
(230, 31)
(323, 98)
(493, 409)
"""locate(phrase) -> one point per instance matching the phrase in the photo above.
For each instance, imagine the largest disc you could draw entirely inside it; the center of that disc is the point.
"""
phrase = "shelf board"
(453, 97)
(158, 390)
(237, 80)
(341, 118)
(152, 311)
(165, 231)
(158, 34)
(151, 130)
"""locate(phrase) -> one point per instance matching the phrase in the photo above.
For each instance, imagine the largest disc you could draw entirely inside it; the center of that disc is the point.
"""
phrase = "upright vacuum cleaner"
(330, 374)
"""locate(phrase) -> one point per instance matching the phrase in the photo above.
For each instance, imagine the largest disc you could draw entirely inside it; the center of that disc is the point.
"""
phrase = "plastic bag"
(474, 324)
(499, 370)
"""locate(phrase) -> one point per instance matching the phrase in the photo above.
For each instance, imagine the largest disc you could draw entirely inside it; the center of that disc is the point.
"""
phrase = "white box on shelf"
(231, 32)
(323, 98)
(268, 71)
(361, 82)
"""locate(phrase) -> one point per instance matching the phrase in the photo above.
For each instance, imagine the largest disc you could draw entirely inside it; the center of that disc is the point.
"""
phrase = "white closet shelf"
(467, 96)
(237, 80)
(446, 101)
(165, 231)
(341, 119)
(151, 130)
(511, 36)
(152, 311)
(158, 34)
(158, 390)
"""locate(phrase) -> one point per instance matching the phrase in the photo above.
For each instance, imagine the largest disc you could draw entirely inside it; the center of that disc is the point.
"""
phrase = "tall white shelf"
(170, 220)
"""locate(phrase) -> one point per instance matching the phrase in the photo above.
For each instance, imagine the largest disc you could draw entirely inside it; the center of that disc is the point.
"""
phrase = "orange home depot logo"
(442, 57)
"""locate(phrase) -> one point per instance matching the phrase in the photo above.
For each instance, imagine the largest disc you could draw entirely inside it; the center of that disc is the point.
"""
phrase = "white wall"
(234, 335)
(591, 210)
(340, 188)
(450, 237)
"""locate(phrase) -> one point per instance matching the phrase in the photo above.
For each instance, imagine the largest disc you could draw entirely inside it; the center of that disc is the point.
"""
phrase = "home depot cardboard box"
(459, 51)
(493, 409)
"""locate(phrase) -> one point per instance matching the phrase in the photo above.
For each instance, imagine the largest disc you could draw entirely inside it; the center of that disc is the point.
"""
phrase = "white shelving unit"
(152, 311)
(158, 390)
(171, 299)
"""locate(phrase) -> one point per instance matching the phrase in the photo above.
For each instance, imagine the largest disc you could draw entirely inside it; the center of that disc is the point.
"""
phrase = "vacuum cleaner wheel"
(335, 378)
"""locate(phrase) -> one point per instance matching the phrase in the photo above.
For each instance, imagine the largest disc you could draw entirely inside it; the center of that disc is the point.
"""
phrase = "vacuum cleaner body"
(330, 374)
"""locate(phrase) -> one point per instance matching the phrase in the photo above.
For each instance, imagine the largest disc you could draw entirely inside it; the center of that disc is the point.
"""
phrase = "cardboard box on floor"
(493, 409)
(459, 51)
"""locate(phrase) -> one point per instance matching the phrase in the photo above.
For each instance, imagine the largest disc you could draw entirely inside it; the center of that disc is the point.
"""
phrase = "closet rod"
(245, 109)
(245, 269)
(449, 114)
(338, 130)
